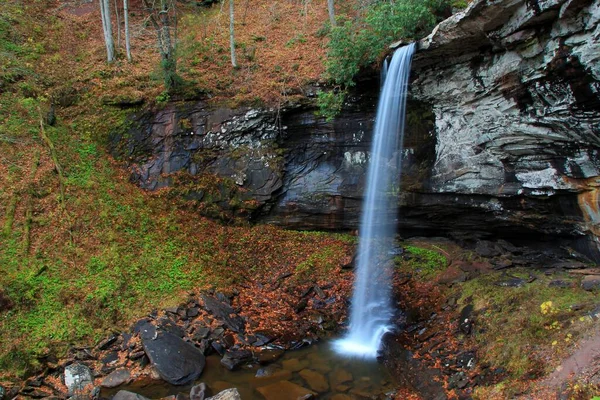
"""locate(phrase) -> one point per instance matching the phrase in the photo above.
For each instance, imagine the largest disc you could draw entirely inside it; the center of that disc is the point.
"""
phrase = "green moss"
(422, 263)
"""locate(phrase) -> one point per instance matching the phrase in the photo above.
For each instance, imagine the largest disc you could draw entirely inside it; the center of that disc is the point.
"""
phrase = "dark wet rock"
(126, 395)
(201, 332)
(228, 341)
(111, 358)
(227, 394)
(223, 312)
(137, 355)
(233, 359)
(465, 321)
(263, 339)
(267, 356)
(107, 342)
(502, 263)
(487, 249)
(590, 282)
(192, 312)
(198, 392)
(168, 325)
(512, 282)
(466, 360)
(82, 354)
(315, 380)
(218, 347)
(458, 381)
(116, 378)
(176, 361)
(301, 305)
(285, 390)
(569, 265)
(77, 377)
(2, 392)
(559, 283)
(144, 329)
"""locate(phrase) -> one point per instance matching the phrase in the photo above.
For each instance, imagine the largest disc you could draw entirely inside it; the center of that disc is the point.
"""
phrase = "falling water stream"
(371, 308)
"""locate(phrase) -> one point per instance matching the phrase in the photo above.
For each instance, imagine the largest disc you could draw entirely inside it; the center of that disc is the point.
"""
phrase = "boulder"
(177, 362)
(77, 378)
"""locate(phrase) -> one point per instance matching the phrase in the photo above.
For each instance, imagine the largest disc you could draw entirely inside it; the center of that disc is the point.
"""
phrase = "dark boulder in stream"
(176, 361)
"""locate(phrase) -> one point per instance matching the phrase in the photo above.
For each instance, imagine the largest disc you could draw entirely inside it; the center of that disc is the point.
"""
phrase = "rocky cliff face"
(514, 85)
(503, 137)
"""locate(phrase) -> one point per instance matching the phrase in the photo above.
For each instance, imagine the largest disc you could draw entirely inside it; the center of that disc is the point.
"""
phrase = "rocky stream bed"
(209, 346)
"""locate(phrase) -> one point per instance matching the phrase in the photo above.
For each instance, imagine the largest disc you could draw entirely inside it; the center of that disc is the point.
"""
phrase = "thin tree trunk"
(127, 40)
(231, 35)
(331, 12)
(118, 25)
(106, 25)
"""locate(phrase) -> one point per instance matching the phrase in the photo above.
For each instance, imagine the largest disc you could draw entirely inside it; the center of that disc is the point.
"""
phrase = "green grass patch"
(422, 263)
(520, 328)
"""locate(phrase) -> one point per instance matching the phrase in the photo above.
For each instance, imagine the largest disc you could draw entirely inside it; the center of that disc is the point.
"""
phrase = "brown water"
(316, 368)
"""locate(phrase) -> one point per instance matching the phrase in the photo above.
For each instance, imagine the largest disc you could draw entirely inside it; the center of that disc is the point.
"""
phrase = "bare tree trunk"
(118, 25)
(127, 40)
(231, 35)
(331, 12)
(106, 25)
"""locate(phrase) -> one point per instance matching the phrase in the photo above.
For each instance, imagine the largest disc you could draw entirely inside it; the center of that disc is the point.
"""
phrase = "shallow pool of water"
(316, 368)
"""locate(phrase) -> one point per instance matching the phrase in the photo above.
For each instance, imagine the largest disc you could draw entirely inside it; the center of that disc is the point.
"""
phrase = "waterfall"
(371, 308)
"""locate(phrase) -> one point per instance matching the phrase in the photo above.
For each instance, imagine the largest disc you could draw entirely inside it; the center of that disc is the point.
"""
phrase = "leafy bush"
(358, 43)
(330, 104)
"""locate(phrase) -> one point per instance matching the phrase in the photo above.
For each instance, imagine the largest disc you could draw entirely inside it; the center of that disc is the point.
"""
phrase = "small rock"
(465, 321)
(315, 380)
(339, 376)
(294, 365)
(116, 378)
(77, 378)
(466, 360)
(559, 283)
(126, 395)
(590, 282)
(234, 359)
(511, 282)
(228, 341)
(285, 390)
(106, 343)
(193, 312)
(200, 333)
(198, 392)
(301, 305)
(227, 394)
(269, 355)
(272, 373)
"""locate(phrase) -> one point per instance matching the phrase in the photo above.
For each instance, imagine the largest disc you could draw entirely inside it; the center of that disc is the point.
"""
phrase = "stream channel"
(315, 369)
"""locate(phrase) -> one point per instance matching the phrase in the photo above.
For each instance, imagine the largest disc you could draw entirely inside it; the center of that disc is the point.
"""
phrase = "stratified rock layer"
(515, 89)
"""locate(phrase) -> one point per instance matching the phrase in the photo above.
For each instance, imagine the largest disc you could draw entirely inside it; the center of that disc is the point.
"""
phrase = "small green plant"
(163, 98)
(330, 103)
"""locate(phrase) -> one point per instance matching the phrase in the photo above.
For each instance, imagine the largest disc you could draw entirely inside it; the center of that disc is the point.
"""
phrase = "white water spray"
(371, 308)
